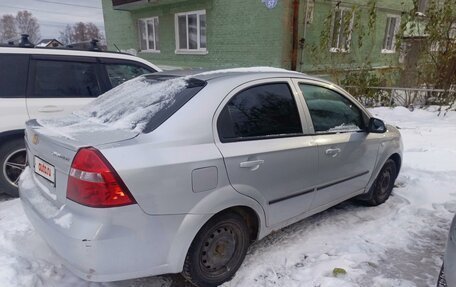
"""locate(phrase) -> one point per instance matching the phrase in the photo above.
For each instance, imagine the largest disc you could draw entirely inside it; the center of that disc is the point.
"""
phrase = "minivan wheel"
(383, 185)
(13, 158)
(217, 251)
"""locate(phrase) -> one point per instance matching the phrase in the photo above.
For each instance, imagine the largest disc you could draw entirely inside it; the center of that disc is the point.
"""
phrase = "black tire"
(381, 189)
(441, 282)
(12, 163)
(217, 251)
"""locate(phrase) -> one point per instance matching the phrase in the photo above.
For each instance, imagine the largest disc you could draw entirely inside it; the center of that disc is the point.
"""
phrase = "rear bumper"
(106, 244)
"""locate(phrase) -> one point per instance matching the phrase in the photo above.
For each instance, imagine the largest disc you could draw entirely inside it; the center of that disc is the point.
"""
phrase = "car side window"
(261, 111)
(119, 73)
(13, 75)
(330, 111)
(62, 79)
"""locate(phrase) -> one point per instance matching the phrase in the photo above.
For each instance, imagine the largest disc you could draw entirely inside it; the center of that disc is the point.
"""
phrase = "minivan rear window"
(13, 75)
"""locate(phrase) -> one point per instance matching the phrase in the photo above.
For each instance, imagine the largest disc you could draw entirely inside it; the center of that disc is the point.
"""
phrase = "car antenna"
(118, 50)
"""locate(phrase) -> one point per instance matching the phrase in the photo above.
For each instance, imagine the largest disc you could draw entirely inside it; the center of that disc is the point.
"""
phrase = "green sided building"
(305, 35)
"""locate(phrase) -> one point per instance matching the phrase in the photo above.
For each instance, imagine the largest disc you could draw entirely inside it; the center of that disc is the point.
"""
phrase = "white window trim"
(199, 51)
(396, 30)
(148, 50)
(341, 50)
(310, 11)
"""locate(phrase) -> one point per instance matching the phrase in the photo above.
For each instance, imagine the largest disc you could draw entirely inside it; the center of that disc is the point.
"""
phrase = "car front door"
(119, 71)
(269, 155)
(346, 152)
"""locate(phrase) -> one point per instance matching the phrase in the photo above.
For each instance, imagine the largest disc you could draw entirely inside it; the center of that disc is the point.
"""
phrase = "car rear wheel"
(217, 251)
(13, 159)
(383, 185)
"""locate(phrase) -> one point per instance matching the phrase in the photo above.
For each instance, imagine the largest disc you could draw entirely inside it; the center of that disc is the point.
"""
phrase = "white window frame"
(310, 11)
(385, 49)
(198, 50)
(435, 47)
(145, 21)
(349, 39)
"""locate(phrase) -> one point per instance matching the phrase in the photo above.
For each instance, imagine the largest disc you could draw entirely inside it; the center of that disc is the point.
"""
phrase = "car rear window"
(13, 75)
(141, 104)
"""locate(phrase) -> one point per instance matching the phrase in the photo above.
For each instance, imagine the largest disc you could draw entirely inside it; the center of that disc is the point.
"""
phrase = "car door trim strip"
(342, 180)
(291, 196)
(317, 188)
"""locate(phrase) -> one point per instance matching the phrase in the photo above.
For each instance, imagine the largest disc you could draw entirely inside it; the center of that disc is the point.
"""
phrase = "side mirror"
(376, 126)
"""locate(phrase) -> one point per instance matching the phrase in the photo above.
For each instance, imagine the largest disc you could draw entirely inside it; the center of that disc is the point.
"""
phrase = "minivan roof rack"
(91, 45)
(25, 42)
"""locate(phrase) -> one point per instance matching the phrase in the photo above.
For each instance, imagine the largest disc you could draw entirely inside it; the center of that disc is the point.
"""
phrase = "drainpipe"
(303, 39)
(295, 29)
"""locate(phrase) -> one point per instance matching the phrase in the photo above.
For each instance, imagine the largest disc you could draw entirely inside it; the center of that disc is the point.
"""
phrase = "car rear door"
(262, 133)
(346, 152)
(61, 84)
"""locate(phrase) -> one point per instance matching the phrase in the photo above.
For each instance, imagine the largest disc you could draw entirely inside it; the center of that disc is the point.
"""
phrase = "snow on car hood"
(129, 107)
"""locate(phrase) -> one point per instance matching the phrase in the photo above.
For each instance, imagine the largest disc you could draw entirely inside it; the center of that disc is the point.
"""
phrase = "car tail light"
(94, 182)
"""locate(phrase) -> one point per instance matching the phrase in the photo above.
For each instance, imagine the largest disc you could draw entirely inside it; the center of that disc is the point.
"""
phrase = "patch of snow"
(129, 106)
(44, 207)
(344, 128)
(64, 221)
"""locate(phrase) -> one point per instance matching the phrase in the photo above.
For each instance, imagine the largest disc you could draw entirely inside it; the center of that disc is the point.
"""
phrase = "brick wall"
(239, 33)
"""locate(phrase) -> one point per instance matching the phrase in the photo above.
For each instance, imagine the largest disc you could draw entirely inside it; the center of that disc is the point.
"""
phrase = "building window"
(191, 32)
(422, 6)
(392, 27)
(438, 47)
(148, 34)
(342, 30)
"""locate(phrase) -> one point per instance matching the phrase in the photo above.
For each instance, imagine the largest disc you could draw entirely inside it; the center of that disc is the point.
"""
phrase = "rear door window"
(120, 73)
(262, 111)
(65, 79)
(330, 111)
(13, 75)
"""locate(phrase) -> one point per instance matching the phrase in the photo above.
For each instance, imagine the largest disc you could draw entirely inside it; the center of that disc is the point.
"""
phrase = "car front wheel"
(383, 185)
(13, 158)
(217, 251)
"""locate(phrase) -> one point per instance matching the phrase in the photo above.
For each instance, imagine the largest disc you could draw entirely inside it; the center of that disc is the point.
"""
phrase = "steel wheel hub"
(13, 166)
(385, 180)
(218, 249)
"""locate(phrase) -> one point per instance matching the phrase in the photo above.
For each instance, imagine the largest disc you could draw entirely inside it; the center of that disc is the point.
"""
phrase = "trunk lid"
(51, 150)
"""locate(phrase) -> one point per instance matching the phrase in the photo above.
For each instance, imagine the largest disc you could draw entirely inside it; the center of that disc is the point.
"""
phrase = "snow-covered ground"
(399, 243)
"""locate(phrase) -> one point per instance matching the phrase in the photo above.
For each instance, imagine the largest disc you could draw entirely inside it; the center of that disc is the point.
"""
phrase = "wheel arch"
(248, 208)
(396, 157)
(11, 134)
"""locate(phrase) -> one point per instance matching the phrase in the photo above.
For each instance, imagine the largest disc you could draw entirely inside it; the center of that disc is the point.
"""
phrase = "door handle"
(50, 109)
(333, 152)
(253, 164)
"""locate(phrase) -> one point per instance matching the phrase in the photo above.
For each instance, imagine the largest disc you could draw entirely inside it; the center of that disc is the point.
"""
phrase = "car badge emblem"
(35, 139)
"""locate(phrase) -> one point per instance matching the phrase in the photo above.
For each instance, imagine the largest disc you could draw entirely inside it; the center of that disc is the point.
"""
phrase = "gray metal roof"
(209, 75)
